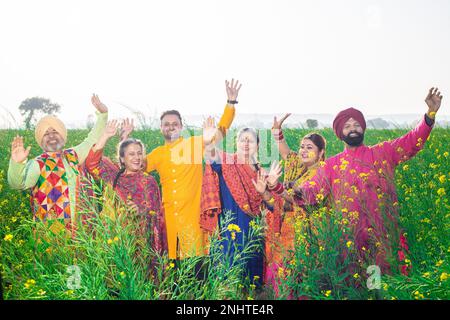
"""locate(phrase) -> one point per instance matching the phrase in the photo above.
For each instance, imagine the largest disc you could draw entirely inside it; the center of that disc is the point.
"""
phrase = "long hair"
(121, 153)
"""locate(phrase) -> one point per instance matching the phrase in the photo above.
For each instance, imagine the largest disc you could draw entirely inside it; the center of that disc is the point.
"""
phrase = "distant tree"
(31, 107)
(312, 123)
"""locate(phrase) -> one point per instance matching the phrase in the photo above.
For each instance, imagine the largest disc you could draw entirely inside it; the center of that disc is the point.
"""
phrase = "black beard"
(354, 141)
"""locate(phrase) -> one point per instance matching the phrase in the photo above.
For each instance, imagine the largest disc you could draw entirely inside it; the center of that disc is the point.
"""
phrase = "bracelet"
(278, 136)
(232, 101)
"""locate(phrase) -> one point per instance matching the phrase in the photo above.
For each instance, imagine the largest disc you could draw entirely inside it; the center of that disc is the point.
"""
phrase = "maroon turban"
(342, 118)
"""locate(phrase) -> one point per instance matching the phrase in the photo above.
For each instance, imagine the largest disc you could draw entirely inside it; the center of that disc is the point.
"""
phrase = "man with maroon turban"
(360, 183)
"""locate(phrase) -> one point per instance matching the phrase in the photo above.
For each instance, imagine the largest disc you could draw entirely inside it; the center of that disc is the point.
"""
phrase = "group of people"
(358, 182)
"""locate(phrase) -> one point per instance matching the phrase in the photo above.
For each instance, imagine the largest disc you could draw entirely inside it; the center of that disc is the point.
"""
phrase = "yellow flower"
(439, 263)
(233, 235)
(29, 283)
(349, 244)
(255, 278)
(233, 227)
(8, 237)
(152, 212)
(96, 171)
(170, 266)
(41, 292)
(336, 181)
(442, 179)
(110, 241)
(116, 239)
(245, 207)
(312, 183)
(444, 276)
(441, 192)
(418, 295)
(122, 274)
(271, 201)
(320, 197)
(321, 248)
(344, 210)
(69, 292)
(280, 272)
(356, 276)
(327, 293)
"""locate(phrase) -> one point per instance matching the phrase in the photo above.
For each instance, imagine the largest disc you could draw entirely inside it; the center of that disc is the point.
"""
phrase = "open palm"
(18, 152)
(433, 99)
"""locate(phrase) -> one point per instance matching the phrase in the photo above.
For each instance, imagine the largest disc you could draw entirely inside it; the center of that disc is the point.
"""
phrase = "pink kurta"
(361, 185)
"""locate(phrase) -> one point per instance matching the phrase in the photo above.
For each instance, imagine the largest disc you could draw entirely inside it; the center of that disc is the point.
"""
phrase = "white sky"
(299, 56)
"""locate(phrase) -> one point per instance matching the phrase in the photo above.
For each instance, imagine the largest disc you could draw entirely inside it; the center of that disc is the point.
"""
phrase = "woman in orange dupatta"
(236, 183)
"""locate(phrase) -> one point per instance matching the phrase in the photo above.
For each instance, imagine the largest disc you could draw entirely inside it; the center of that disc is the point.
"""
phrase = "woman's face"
(133, 158)
(309, 152)
(247, 145)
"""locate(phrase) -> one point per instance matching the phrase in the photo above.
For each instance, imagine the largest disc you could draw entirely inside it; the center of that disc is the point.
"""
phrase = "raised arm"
(95, 156)
(407, 146)
(109, 132)
(102, 117)
(22, 173)
(279, 138)
(126, 128)
(232, 89)
(209, 133)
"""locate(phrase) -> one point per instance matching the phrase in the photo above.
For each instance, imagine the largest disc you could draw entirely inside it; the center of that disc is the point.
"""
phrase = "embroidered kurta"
(179, 165)
(54, 178)
(360, 183)
(140, 188)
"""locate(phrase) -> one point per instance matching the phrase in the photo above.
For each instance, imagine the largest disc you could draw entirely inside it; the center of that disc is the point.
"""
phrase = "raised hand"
(126, 128)
(111, 129)
(277, 124)
(18, 152)
(261, 182)
(232, 89)
(433, 100)
(100, 106)
(275, 173)
(209, 131)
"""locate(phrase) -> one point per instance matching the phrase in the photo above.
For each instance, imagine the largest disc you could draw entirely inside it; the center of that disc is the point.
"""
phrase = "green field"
(110, 269)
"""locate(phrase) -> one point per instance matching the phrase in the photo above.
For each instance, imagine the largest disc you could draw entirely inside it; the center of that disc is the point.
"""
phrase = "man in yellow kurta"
(179, 165)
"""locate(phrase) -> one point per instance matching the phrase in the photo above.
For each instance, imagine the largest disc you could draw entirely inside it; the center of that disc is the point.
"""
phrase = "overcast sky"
(297, 56)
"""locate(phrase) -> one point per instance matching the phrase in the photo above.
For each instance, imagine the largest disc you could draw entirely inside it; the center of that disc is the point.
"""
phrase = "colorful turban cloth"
(342, 118)
(49, 122)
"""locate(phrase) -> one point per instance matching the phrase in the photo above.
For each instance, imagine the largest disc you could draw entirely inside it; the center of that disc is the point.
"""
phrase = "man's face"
(171, 127)
(353, 133)
(52, 141)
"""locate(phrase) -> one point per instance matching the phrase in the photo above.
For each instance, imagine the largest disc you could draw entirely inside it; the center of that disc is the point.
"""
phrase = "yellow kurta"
(179, 165)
